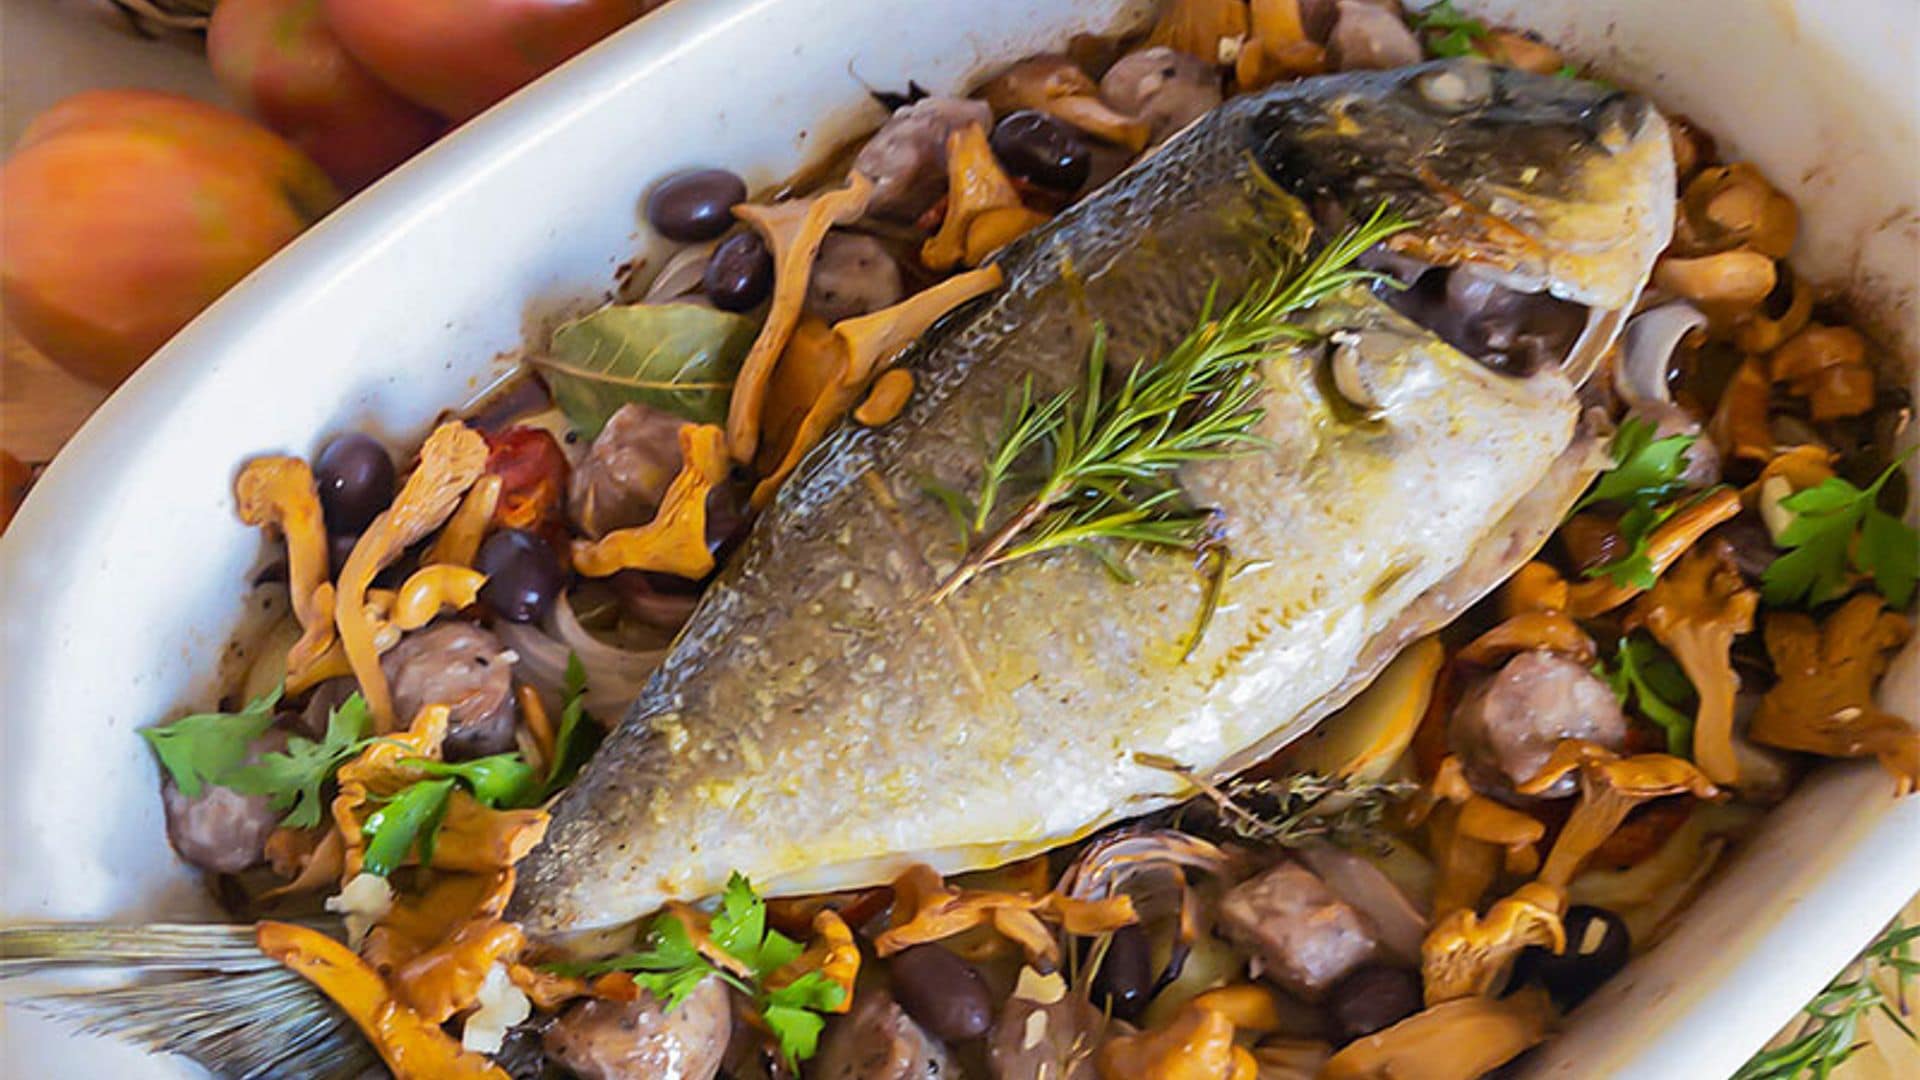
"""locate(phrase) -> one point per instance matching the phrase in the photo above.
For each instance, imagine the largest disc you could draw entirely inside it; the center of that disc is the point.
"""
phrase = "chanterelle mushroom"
(984, 212)
(1466, 954)
(280, 492)
(1610, 787)
(1468, 833)
(1823, 703)
(1456, 1040)
(1055, 85)
(1696, 611)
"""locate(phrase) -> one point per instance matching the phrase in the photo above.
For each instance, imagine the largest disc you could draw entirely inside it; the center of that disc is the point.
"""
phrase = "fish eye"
(1456, 87)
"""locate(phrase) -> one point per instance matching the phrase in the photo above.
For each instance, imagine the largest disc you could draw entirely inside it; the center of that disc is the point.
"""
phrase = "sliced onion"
(615, 676)
(680, 275)
(1367, 889)
(1647, 348)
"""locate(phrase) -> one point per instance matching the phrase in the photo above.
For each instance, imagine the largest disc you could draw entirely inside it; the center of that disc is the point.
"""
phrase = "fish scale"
(821, 724)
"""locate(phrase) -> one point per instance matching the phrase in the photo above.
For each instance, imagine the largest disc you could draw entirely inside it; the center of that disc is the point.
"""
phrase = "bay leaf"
(679, 358)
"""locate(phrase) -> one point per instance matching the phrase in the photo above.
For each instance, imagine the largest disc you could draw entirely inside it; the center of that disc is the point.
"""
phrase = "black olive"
(1125, 978)
(355, 478)
(339, 546)
(695, 206)
(1372, 999)
(740, 274)
(942, 992)
(1042, 150)
(1598, 946)
(523, 575)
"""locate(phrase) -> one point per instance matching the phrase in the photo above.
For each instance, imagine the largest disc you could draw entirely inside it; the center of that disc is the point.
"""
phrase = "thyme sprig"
(1295, 809)
(1830, 1033)
(1111, 457)
(1344, 811)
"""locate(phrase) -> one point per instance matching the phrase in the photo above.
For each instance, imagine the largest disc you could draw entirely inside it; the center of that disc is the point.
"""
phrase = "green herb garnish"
(1111, 458)
(1830, 1033)
(203, 748)
(1450, 31)
(294, 777)
(501, 781)
(575, 742)
(1837, 526)
(1645, 677)
(1346, 811)
(409, 821)
(1645, 472)
(411, 818)
(1645, 469)
(670, 967)
(1294, 809)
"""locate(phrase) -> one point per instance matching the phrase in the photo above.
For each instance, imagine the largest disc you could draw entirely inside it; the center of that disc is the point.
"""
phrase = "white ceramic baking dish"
(120, 580)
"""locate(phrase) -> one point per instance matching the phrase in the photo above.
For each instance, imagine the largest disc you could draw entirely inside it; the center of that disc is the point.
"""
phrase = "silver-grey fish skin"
(819, 724)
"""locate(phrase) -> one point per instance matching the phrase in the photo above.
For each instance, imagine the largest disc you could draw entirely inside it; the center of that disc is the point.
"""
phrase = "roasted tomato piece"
(533, 480)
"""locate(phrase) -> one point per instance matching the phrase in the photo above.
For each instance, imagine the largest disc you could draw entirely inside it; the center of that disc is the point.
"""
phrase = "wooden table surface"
(40, 405)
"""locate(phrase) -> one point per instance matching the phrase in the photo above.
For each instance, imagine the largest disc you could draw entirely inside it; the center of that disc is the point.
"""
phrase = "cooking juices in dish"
(1170, 565)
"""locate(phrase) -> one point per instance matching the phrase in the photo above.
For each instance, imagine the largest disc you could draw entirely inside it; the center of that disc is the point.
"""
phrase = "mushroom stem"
(1455, 1040)
(1668, 542)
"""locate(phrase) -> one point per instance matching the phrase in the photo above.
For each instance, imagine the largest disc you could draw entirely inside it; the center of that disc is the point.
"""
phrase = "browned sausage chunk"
(1052, 1040)
(853, 276)
(907, 158)
(1302, 936)
(609, 1040)
(222, 830)
(879, 1041)
(1506, 727)
(464, 667)
(626, 471)
(1164, 87)
(1367, 34)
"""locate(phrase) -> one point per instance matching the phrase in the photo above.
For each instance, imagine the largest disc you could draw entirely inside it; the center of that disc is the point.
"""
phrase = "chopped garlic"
(1036, 1029)
(1039, 989)
(1778, 518)
(501, 1006)
(364, 901)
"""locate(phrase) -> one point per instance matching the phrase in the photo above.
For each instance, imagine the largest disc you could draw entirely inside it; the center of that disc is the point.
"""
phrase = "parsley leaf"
(1645, 677)
(1635, 567)
(203, 748)
(293, 778)
(575, 742)
(498, 780)
(740, 927)
(1820, 545)
(671, 967)
(1451, 32)
(793, 1013)
(1644, 468)
(1645, 471)
(410, 820)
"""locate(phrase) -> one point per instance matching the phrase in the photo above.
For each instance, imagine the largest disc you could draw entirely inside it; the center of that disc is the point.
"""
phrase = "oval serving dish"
(115, 580)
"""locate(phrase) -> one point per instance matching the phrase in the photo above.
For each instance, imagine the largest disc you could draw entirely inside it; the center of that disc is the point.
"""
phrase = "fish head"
(1541, 183)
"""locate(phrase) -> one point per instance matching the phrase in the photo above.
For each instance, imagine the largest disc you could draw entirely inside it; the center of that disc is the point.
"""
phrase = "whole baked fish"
(820, 723)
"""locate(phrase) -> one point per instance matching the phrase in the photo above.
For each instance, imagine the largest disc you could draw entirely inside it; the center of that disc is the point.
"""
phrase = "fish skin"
(820, 725)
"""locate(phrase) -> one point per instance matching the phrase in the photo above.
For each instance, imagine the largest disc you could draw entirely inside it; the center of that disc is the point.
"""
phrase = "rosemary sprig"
(1112, 457)
(1829, 1035)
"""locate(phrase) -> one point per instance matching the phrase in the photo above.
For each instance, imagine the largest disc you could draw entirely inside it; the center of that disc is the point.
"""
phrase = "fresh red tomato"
(281, 60)
(457, 57)
(128, 211)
